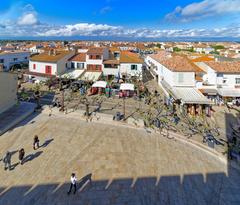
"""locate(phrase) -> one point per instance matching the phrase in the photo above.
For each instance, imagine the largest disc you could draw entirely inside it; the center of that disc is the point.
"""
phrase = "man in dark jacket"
(7, 160)
(21, 156)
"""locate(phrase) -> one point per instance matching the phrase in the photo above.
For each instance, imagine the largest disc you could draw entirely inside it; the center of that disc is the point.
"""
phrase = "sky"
(152, 19)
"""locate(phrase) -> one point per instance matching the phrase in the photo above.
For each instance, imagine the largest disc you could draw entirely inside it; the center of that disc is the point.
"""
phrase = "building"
(8, 90)
(52, 63)
(131, 65)
(221, 79)
(112, 63)
(176, 74)
(95, 57)
(203, 49)
(10, 58)
(76, 66)
(111, 67)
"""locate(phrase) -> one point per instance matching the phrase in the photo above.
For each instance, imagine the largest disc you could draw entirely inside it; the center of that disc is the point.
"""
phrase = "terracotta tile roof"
(176, 63)
(225, 67)
(113, 49)
(96, 50)
(203, 59)
(80, 57)
(45, 57)
(129, 57)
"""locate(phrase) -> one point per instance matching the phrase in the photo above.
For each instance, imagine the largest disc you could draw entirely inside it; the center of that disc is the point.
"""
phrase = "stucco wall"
(8, 90)
(9, 58)
(125, 68)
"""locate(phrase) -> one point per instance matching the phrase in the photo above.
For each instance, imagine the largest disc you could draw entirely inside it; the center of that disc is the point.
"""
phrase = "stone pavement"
(14, 115)
(125, 165)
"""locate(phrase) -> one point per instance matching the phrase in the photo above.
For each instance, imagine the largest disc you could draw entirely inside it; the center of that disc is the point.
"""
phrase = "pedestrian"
(7, 160)
(35, 142)
(21, 156)
(73, 184)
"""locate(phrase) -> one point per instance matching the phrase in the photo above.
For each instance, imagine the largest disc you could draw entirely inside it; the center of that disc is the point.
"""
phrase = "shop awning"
(190, 95)
(100, 84)
(72, 74)
(91, 76)
(208, 91)
(229, 92)
(127, 86)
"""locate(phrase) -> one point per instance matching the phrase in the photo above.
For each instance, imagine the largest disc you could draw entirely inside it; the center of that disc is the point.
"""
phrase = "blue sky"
(120, 18)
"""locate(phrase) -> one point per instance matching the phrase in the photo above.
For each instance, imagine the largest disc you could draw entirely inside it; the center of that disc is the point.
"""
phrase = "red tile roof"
(176, 63)
(96, 50)
(129, 57)
(225, 67)
(80, 57)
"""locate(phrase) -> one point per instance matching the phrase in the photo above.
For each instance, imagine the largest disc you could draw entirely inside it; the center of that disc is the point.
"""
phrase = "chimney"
(50, 52)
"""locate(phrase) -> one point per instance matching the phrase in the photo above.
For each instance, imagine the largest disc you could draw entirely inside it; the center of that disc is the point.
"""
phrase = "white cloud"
(203, 9)
(28, 19)
(85, 29)
(28, 25)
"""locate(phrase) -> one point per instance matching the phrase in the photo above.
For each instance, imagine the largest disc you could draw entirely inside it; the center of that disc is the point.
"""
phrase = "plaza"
(114, 164)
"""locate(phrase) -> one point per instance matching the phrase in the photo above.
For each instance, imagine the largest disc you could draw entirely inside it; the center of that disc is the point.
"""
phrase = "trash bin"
(211, 143)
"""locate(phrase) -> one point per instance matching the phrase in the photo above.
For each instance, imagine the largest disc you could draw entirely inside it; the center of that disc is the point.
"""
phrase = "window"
(26, 58)
(80, 65)
(220, 75)
(34, 66)
(116, 55)
(238, 81)
(1, 60)
(180, 77)
(93, 57)
(133, 67)
(94, 67)
(15, 59)
(72, 65)
(110, 66)
(48, 69)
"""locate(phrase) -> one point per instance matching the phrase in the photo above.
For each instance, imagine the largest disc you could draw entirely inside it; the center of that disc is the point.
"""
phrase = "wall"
(40, 67)
(8, 58)
(230, 80)
(8, 90)
(210, 76)
(125, 68)
(61, 64)
(188, 79)
(111, 71)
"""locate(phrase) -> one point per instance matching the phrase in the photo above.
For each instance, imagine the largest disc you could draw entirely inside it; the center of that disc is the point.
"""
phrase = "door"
(48, 70)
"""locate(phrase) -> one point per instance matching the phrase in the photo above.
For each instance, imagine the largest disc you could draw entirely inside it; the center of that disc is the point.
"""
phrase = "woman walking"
(35, 142)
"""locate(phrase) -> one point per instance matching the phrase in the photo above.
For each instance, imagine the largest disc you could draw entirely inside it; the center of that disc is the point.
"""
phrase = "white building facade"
(11, 58)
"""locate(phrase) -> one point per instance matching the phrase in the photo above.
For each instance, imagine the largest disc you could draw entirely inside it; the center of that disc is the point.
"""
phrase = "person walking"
(73, 184)
(7, 160)
(21, 156)
(35, 142)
